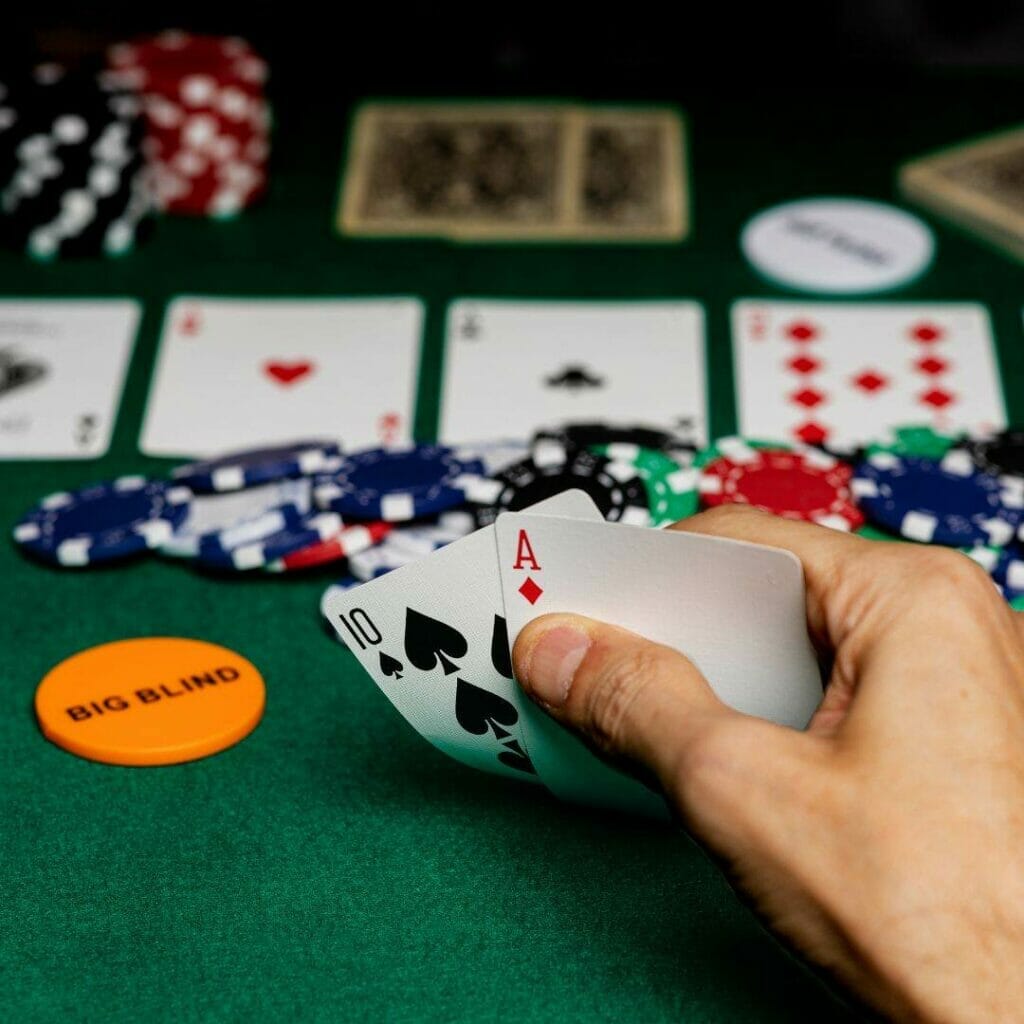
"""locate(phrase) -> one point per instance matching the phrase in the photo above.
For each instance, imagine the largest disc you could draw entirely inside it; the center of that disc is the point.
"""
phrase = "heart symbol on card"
(287, 373)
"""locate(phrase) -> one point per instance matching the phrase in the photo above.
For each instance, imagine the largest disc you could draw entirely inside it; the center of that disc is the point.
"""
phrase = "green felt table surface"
(333, 866)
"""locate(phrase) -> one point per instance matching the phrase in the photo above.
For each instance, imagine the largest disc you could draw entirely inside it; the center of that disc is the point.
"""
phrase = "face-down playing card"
(432, 636)
(737, 610)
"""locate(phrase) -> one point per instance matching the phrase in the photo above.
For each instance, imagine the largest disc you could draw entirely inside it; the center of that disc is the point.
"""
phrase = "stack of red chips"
(207, 117)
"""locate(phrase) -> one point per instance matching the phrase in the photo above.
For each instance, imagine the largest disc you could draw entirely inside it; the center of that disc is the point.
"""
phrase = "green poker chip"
(668, 483)
(915, 439)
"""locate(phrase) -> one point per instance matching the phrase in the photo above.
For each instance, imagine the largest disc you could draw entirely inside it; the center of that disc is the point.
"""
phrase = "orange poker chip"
(149, 701)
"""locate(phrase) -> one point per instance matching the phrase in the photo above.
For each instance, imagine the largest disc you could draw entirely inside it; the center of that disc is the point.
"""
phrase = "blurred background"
(533, 48)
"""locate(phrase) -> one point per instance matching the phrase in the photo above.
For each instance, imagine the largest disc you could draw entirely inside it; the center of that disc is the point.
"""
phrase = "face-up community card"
(844, 373)
(62, 368)
(239, 373)
(511, 367)
(737, 610)
(494, 171)
(432, 636)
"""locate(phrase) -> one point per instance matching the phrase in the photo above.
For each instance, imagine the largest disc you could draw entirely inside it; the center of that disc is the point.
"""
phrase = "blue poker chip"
(949, 501)
(397, 484)
(232, 518)
(104, 521)
(243, 552)
(255, 466)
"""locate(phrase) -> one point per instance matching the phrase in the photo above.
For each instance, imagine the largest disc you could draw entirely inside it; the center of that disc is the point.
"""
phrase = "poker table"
(333, 865)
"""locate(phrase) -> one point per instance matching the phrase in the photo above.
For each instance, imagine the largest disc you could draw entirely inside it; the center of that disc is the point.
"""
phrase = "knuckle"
(952, 573)
(731, 512)
(623, 678)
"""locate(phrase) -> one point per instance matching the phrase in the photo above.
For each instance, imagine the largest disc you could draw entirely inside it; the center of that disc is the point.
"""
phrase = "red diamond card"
(844, 373)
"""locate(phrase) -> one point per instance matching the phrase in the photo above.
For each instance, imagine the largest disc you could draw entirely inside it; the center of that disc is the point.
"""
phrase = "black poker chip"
(73, 176)
(614, 485)
(582, 435)
(1001, 454)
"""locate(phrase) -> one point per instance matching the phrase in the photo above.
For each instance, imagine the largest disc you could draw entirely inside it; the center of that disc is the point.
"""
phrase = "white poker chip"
(838, 246)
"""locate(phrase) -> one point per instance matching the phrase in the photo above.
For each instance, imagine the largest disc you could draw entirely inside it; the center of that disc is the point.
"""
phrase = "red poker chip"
(807, 485)
(162, 61)
(208, 122)
(351, 540)
(211, 194)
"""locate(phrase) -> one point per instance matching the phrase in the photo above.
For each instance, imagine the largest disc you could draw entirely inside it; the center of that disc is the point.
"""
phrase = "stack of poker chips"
(207, 117)
(73, 180)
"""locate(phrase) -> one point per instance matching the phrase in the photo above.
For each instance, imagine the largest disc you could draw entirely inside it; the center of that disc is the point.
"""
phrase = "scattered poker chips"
(254, 466)
(303, 506)
(615, 487)
(804, 484)
(103, 522)
(948, 502)
(398, 484)
(73, 175)
(208, 121)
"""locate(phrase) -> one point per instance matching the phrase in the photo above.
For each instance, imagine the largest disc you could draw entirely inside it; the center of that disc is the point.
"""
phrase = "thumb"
(636, 700)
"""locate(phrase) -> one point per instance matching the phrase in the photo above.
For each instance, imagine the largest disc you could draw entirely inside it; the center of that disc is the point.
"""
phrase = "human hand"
(885, 843)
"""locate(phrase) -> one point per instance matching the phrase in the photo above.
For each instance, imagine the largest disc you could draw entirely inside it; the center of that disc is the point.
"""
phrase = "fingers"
(648, 704)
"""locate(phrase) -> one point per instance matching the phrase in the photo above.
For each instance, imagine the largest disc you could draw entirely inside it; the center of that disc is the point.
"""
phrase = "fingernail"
(553, 663)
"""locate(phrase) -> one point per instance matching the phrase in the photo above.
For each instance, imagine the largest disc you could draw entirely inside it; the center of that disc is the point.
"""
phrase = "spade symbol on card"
(574, 378)
(390, 667)
(478, 710)
(16, 371)
(500, 658)
(429, 642)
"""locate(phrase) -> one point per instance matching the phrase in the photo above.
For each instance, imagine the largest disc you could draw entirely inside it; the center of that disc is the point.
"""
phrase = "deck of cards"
(515, 171)
(975, 185)
(436, 635)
